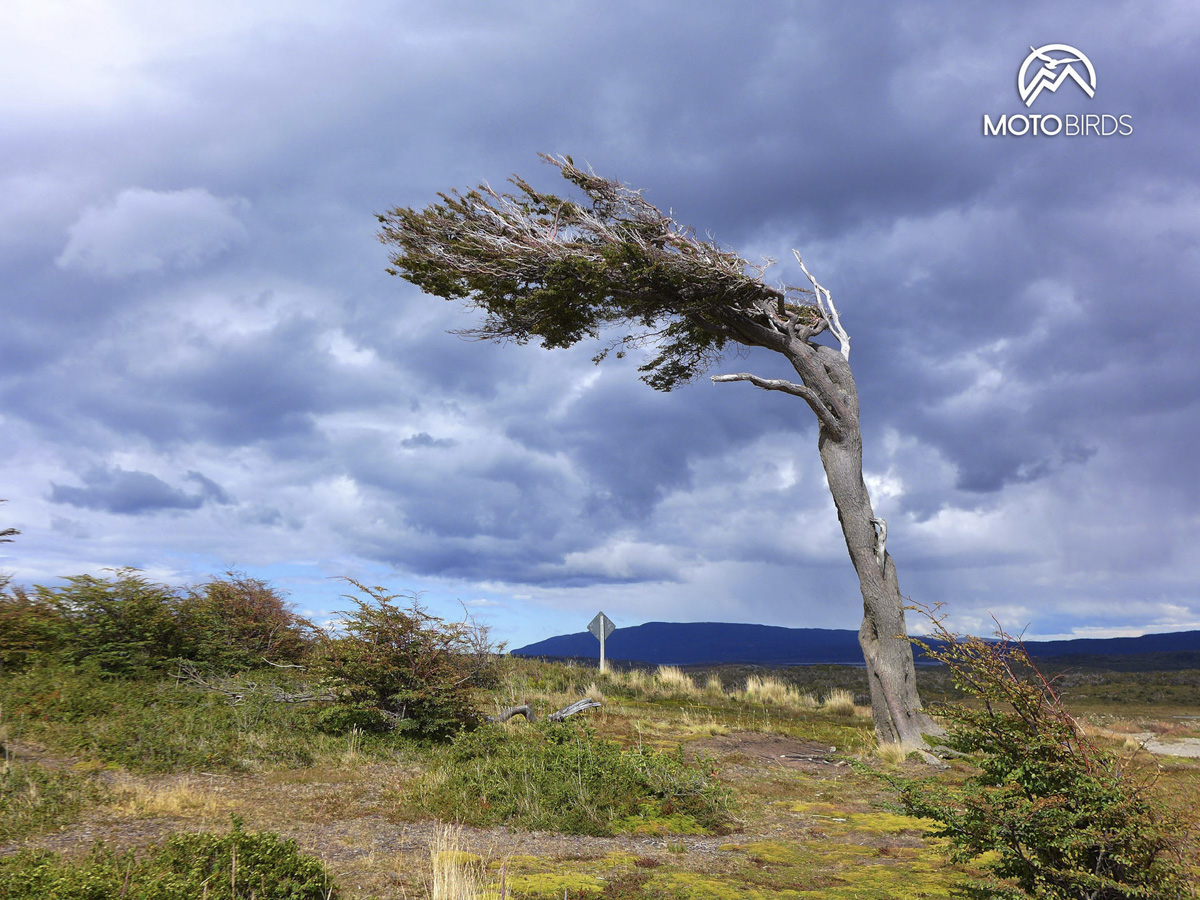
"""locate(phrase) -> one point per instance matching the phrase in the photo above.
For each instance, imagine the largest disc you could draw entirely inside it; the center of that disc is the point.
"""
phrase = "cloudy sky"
(203, 364)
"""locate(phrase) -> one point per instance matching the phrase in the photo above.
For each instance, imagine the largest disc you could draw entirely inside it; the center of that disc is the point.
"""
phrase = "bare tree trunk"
(895, 704)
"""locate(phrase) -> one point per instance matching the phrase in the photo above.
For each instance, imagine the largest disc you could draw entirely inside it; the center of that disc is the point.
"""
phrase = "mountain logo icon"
(1050, 66)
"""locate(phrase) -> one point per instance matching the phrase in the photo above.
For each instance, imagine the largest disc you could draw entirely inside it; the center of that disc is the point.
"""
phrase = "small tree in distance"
(551, 269)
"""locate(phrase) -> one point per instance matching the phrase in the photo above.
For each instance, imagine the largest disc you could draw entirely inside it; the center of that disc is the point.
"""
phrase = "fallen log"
(530, 716)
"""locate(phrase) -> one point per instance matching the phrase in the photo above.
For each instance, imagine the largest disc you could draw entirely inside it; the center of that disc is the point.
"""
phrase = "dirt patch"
(758, 750)
(1188, 747)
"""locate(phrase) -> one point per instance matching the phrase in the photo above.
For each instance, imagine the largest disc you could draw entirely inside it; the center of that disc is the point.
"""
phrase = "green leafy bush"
(563, 777)
(125, 624)
(129, 625)
(398, 668)
(1049, 813)
(236, 622)
(30, 628)
(233, 866)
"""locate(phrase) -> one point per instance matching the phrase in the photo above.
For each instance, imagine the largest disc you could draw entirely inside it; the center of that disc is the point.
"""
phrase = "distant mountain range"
(699, 643)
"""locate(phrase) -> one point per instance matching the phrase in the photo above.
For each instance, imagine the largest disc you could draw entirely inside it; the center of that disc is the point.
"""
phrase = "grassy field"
(730, 783)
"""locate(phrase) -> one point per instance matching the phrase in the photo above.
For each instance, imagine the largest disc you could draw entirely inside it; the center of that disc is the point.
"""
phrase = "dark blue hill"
(698, 643)
(687, 643)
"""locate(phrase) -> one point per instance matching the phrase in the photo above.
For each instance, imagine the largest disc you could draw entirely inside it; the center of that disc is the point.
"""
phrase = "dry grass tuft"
(180, 798)
(839, 701)
(891, 754)
(773, 690)
(633, 680)
(676, 680)
(713, 686)
(457, 875)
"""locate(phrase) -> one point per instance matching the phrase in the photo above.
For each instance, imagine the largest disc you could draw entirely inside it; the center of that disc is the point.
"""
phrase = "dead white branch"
(828, 419)
(824, 298)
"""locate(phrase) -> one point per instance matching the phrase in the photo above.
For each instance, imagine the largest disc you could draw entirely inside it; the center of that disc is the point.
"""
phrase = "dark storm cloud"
(117, 490)
(193, 285)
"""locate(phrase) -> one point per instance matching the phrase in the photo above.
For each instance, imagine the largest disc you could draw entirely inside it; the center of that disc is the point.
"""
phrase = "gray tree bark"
(895, 704)
(827, 386)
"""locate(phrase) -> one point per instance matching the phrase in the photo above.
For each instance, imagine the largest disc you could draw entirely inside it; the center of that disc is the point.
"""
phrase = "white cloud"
(151, 231)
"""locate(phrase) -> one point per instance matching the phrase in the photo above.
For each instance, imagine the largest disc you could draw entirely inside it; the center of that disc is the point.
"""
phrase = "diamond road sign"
(601, 626)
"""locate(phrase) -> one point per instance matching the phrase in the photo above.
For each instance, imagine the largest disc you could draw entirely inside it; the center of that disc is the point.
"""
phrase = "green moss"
(840, 820)
(771, 853)
(651, 823)
(552, 885)
(619, 860)
(693, 886)
(887, 822)
(819, 810)
(459, 858)
(518, 863)
(885, 880)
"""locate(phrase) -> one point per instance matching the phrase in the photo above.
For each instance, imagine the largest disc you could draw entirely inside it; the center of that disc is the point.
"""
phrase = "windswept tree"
(541, 267)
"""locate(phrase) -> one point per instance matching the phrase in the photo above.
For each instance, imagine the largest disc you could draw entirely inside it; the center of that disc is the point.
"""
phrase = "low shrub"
(1045, 810)
(563, 777)
(30, 628)
(129, 625)
(125, 624)
(237, 865)
(237, 622)
(397, 668)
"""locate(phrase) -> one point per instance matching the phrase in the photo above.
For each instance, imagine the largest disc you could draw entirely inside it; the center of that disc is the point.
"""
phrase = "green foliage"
(398, 668)
(234, 866)
(1049, 813)
(125, 624)
(237, 621)
(563, 777)
(34, 799)
(30, 628)
(156, 724)
(548, 268)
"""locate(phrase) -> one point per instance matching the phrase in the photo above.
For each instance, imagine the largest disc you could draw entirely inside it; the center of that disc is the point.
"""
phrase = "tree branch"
(831, 314)
(828, 420)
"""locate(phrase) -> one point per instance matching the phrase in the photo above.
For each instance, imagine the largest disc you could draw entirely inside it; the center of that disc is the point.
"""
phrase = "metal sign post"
(601, 627)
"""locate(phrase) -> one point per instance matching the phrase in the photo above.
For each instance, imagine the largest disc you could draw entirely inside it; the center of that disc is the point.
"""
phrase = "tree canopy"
(559, 271)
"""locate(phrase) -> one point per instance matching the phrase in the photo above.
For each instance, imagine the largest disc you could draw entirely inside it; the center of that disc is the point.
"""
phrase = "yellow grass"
(457, 875)
(676, 679)
(839, 701)
(892, 754)
(593, 692)
(181, 798)
(772, 690)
